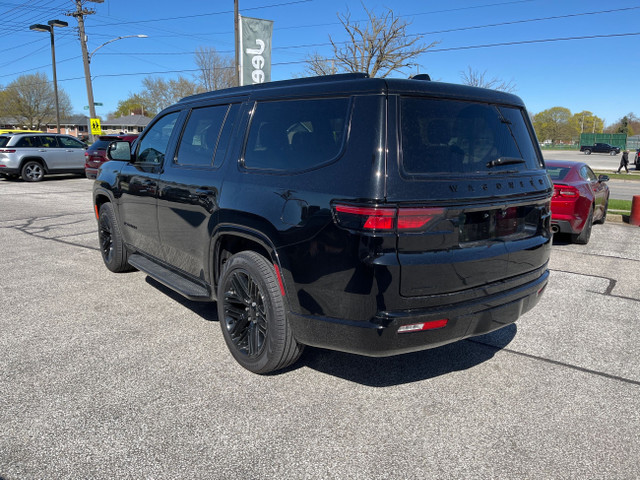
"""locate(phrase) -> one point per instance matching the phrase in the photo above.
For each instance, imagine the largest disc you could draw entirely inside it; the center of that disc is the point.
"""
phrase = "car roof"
(355, 83)
(563, 163)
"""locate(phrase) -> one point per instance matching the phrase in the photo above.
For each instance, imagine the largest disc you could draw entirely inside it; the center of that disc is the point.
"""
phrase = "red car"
(96, 154)
(580, 199)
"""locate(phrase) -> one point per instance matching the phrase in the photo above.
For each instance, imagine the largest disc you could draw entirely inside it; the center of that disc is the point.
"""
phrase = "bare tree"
(159, 93)
(378, 47)
(30, 99)
(476, 78)
(216, 71)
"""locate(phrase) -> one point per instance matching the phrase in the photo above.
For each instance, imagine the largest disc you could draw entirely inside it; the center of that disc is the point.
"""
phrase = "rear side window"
(455, 137)
(26, 142)
(296, 135)
(4, 141)
(201, 134)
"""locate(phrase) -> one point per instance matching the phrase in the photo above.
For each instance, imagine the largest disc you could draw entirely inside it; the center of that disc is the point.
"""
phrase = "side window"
(153, 146)
(47, 141)
(69, 142)
(296, 135)
(200, 137)
(26, 142)
(587, 174)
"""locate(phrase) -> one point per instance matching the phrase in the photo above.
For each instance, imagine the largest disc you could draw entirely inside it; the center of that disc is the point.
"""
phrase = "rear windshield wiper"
(504, 161)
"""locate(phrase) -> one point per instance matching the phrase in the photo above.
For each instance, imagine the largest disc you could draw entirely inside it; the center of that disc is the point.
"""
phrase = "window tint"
(69, 142)
(558, 173)
(3, 141)
(200, 137)
(153, 146)
(461, 137)
(48, 141)
(296, 135)
(26, 142)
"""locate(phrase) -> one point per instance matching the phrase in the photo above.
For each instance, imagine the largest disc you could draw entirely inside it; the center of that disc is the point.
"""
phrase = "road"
(620, 189)
(111, 376)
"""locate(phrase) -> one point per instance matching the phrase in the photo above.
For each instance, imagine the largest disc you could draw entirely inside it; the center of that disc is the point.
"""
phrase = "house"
(128, 124)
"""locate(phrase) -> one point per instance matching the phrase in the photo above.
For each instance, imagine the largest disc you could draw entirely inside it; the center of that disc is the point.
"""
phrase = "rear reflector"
(418, 327)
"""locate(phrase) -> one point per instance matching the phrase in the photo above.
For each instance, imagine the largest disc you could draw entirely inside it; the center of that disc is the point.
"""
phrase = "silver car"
(32, 155)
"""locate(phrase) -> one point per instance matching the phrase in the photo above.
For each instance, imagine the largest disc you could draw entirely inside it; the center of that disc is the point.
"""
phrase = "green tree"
(555, 124)
(627, 125)
(30, 99)
(136, 104)
(378, 47)
(587, 122)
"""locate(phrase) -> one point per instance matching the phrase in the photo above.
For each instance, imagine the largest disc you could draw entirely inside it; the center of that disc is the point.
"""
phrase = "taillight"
(566, 191)
(385, 219)
(6, 150)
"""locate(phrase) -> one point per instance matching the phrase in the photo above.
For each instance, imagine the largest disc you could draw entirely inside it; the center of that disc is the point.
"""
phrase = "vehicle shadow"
(206, 310)
(379, 372)
(410, 367)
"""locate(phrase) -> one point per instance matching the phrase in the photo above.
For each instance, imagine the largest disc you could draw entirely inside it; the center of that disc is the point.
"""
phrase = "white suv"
(32, 155)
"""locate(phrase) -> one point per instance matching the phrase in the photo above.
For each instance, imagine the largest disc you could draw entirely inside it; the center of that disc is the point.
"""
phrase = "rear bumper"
(10, 170)
(379, 337)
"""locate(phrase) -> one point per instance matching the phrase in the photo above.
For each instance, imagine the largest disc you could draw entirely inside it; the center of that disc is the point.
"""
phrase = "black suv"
(364, 215)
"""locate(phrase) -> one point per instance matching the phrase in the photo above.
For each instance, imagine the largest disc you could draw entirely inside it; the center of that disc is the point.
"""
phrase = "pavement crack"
(559, 363)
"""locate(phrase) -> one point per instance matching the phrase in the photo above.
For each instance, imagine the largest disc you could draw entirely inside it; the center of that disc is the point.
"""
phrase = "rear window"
(296, 135)
(4, 141)
(557, 173)
(101, 144)
(445, 136)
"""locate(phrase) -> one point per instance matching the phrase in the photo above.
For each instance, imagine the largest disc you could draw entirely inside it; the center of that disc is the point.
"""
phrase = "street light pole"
(49, 28)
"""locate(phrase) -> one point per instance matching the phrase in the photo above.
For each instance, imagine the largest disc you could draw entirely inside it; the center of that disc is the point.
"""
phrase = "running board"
(185, 287)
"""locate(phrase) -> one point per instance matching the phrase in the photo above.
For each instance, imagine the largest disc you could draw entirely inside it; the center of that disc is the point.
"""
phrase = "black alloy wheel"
(114, 253)
(252, 315)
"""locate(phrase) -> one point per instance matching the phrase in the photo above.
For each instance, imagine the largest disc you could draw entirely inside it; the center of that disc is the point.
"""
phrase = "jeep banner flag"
(255, 50)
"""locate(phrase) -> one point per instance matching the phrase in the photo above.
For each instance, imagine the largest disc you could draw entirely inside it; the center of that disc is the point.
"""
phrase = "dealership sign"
(255, 50)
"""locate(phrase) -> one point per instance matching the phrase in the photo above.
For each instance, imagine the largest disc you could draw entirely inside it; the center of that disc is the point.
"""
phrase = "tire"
(32, 171)
(114, 253)
(587, 152)
(583, 237)
(252, 315)
(613, 152)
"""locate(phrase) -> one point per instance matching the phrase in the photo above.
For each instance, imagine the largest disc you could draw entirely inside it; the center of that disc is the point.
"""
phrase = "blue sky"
(600, 74)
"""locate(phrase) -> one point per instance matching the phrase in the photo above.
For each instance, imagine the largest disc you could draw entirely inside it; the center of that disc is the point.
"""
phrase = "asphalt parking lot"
(111, 376)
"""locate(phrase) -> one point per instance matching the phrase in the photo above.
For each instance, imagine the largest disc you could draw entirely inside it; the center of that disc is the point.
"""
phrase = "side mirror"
(603, 178)
(120, 151)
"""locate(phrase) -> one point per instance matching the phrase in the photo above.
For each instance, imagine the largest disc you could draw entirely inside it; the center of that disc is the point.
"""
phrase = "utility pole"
(237, 38)
(79, 16)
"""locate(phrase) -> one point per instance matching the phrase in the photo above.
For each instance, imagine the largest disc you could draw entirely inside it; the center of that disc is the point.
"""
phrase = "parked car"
(366, 215)
(33, 155)
(580, 199)
(17, 130)
(600, 148)
(96, 154)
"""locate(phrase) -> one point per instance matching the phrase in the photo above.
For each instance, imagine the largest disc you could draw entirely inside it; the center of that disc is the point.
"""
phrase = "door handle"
(204, 192)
